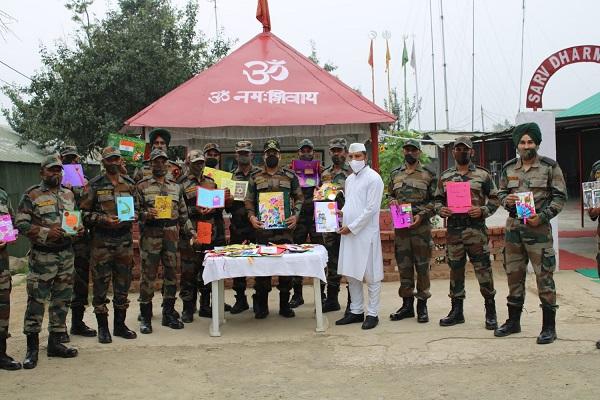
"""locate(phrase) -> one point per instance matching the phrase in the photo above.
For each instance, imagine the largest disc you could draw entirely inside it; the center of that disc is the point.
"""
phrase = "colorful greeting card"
(458, 195)
(525, 205)
(326, 218)
(73, 175)
(217, 175)
(125, 208)
(163, 206)
(327, 191)
(71, 222)
(238, 189)
(401, 215)
(591, 194)
(210, 198)
(7, 231)
(132, 149)
(204, 231)
(307, 171)
(272, 209)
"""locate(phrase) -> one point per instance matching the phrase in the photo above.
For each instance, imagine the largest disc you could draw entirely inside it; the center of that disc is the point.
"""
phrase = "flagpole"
(404, 62)
(414, 65)
(444, 65)
(432, 66)
(372, 35)
(387, 35)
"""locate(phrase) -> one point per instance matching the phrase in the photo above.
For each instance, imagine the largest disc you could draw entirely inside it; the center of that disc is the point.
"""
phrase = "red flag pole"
(371, 63)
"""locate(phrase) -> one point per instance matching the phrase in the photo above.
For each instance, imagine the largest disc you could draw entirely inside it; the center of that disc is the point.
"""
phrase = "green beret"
(163, 133)
(531, 128)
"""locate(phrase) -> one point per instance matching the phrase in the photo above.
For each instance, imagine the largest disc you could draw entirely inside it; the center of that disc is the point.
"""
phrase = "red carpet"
(576, 234)
(569, 261)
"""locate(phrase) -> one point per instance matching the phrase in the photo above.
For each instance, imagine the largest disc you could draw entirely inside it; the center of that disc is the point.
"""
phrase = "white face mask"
(357, 165)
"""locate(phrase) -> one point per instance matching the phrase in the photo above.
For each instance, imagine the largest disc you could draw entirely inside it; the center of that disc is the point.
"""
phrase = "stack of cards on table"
(525, 205)
(125, 208)
(71, 222)
(210, 198)
(401, 215)
(591, 194)
(307, 171)
(458, 197)
(7, 231)
(326, 218)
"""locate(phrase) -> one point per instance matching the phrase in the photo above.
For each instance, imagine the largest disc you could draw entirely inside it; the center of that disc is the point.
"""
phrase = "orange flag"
(263, 16)
(371, 54)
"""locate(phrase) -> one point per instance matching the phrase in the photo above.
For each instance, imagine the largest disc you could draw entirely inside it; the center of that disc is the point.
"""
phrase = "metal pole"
(473, 75)
(432, 66)
(444, 65)
(216, 20)
(405, 91)
(522, 47)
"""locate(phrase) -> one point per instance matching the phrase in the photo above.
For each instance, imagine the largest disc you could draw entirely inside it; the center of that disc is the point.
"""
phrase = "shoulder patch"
(449, 170)
(430, 169)
(29, 189)
(548, 161)
(95, 179)
(288, 172)
(485, 169)
(509, 162)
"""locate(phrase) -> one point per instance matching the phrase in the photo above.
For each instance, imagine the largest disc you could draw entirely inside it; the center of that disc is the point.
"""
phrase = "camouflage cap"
(211, 146)
(338, 143)
(52, 160)
(162, 132)
(110, 151)
(306, 142)
(157, 153)
(195, 155)
(413, 143)
(463, 140)
(68, 151)
(272, 144)
(243, 145)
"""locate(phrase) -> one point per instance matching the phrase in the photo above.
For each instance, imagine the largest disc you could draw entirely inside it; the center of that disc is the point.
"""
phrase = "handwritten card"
(458, 195)
(7, 231)
(326, 218)
(204, 232)
(73, 175)
(163, 206)
(125, 208)
(210, 198)
(217, 175)
(71, 222)
(401, 215)
(525, 205)
(307, 171)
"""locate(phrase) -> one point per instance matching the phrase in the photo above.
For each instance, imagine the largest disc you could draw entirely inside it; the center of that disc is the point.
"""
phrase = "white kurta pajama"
(360, 255)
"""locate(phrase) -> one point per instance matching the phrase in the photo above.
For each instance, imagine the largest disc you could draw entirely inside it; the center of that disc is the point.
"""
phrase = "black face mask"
(211, 162)
(159, 171)
(462, 158)
(272, 161)
(306, 157)
(410, 159)
(528, 154)
(112, 169)
(197, 170)
(244, 160)
(52, 181)
(338, 160)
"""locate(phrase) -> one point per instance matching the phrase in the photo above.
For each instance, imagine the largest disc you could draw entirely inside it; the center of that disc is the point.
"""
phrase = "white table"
(216, 269)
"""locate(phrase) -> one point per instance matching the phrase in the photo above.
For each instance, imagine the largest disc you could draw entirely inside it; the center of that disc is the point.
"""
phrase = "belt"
(112, 232)
(49, 249)
(161, 224)
(464, 221)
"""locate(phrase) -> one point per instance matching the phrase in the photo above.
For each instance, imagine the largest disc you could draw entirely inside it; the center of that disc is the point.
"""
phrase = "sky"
(341, 29)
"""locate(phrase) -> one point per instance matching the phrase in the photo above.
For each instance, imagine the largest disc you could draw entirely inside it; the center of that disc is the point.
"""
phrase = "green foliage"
(119, 65)
(395, 105)
(328, 66)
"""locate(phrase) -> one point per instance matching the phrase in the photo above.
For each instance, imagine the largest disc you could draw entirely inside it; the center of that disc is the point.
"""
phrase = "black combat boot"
(33, 348)
(57, 349)
(241, 303)
(297, 299)
(6, 361)
(63, 337)
(512, 324)
(103, 332)
(187, 315)
(261, 304)
(422, 314)
(146, 316)
(455, 316)
(119, 327)
(285, 310)
(139, 318)
(406, 311)
(78, 327)
(598, 344)
(491, 322)
(548, 333)
(331, 302)
(347, 311)
(169, 318)
(205, 310)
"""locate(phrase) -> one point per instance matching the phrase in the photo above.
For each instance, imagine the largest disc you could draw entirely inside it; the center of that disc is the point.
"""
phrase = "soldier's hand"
(340, 213)
(344, 230)
(445, 212)
(68, 186)
(511, 199)
(256, 224)
(80, 232)
(204, 210)
(393, 202)
(112, 220)
(2, 245)
(534, 221)
(417, 221)
(292, 222)
(56, 233)
(475, 212)
(152, 213)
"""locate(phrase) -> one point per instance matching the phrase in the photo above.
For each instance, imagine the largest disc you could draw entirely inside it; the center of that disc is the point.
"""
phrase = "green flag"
(404, 55)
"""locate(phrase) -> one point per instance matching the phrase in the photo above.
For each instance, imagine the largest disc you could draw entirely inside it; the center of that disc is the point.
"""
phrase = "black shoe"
(63, 337)
(78, 327)
(241, 304)
(297, 299)
(284, 306)
(119, 327)
(331, 302)
(351, 319)
(422, 314)
(347, 310)
(491, 322)
(548, 333)
(139, 317)
(370, 322)
(187, 315)
(6, 361)
(205, 309)
(103, 332)
(455, 316)
(598, 344)
(227, 307)
(33, 348)
(57, 349)
(146, 314)
(260, 304)
(169, 317)
(512, 324)
(406, 311)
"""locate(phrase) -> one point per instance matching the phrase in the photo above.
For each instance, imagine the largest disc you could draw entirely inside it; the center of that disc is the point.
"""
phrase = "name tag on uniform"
(104, 192)
(46, 203)
(513, 178)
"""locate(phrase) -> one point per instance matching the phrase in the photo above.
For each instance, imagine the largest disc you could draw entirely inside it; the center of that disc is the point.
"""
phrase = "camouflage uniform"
(595, 176)
(5, 279)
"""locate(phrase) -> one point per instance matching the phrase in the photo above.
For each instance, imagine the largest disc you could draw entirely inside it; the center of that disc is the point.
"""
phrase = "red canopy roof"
(263, 83)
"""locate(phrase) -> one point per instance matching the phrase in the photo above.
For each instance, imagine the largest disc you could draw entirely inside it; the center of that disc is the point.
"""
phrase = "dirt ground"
(284, 359)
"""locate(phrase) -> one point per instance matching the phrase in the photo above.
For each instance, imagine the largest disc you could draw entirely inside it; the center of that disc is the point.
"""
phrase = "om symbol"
(218, 97)
(260, 72)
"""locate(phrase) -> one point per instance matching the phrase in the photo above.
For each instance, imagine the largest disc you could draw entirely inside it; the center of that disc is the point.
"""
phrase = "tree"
(328, 66)
(118, 66)
(396, 106)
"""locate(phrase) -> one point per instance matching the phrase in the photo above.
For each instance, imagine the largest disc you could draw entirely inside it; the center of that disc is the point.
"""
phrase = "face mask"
(159, 171)
(409, 158)
(272, 161)
(357, 165)
(244, 160)
(197, 170)
(462, 158)
(112, 169)
(52, 181)
(211, 162)
(306, 157)
(528, 154)
(338, 160)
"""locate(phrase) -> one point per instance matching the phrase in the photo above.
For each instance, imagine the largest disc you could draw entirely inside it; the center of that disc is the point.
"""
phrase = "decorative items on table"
(253, 250)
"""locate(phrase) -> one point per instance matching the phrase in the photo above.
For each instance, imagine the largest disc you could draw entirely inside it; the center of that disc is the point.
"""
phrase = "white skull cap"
(357, 147)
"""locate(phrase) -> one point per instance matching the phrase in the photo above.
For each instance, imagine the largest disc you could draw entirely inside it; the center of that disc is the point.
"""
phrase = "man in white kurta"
(360, 255)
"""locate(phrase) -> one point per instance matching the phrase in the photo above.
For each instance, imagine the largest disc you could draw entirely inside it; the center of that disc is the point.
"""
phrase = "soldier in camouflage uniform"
(306, 223)
(212, 155)
(81, 249)
(273, 178)
(6, 362)
(159, 138)
(594, 213)
(467, 233)
(192, 256)
(336, 174)
(159, 241)
(51, 259)
(415, 184)
(112, 243)
(530, 240)
(240, 228)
